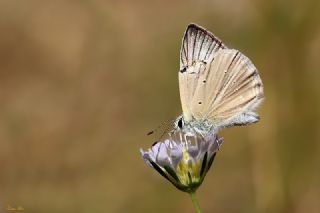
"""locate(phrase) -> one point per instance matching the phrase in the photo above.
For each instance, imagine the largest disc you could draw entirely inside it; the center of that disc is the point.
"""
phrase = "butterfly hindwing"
(228, 90)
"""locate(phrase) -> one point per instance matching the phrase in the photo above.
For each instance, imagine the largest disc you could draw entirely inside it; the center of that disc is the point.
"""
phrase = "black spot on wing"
(183, 70)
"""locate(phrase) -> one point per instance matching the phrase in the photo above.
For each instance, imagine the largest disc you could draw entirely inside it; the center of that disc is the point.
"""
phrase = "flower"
(182, 159)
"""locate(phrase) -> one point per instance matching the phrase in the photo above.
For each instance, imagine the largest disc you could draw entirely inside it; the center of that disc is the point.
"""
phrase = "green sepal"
(204, 163)
(211, 161)
(172, 173)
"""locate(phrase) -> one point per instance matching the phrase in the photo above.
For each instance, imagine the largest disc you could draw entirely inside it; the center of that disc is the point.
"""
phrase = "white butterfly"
(219, 87)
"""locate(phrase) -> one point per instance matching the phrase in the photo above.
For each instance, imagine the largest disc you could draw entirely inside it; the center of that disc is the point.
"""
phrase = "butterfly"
(219, 87)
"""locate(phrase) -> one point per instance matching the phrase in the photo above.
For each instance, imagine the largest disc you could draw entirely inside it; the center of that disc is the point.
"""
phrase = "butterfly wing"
(198, 48)
(228, 89)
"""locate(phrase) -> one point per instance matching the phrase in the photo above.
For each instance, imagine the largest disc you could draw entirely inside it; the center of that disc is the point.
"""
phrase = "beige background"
(81, 82)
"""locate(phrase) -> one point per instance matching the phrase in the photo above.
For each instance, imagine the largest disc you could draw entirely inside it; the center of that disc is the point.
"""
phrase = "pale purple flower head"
(183, 160)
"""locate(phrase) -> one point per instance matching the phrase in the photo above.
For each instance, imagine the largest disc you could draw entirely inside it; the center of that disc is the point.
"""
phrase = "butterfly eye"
(180, 124)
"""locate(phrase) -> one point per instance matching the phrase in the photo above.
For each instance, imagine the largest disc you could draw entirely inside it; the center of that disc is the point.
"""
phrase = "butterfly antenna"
(157, 128)
(166, 129)
(161, 125)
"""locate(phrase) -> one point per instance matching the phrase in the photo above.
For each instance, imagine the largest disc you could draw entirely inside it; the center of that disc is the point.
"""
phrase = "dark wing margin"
(198, 44)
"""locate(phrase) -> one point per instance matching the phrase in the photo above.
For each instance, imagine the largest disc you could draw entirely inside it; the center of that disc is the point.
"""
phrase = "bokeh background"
(82, 82)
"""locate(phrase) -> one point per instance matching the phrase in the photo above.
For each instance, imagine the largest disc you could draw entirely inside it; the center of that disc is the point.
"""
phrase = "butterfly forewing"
(198, 48)
(188, 82)
(198, 44)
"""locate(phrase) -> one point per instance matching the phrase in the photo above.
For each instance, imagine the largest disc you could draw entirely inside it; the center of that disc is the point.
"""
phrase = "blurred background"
(82, 82)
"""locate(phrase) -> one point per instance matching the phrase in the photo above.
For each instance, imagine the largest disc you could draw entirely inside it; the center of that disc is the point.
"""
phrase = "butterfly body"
(219, 87)
(194, 126)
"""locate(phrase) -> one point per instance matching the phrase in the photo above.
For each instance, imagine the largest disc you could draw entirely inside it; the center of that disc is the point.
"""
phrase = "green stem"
(195, 202)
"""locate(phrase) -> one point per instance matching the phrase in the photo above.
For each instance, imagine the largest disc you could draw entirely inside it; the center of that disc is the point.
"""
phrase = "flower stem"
(195, 202)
